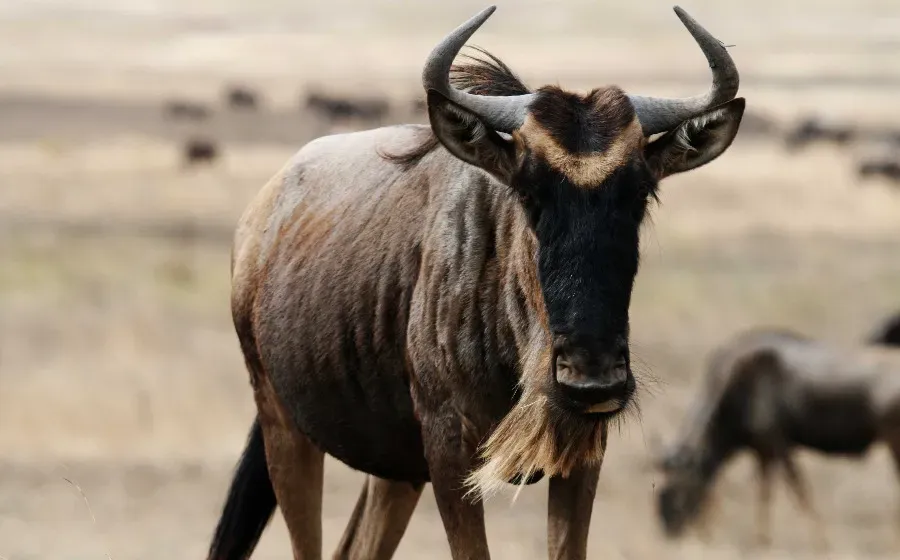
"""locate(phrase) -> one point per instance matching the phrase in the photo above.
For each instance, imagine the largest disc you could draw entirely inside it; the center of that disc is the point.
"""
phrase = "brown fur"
(587, 170)
(296, 469)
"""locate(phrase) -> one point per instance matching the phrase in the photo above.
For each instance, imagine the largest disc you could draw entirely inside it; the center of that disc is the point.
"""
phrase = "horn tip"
(683, 15)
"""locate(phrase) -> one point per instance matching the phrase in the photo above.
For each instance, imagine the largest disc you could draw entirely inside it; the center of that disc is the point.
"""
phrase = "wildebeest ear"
(466, 137)
(697, 141)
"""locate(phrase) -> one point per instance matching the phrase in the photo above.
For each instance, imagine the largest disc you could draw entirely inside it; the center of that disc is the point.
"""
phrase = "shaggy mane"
(482, 74)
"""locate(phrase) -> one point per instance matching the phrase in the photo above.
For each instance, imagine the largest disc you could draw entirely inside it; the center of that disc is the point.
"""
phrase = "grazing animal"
(813, 129)
(887, 333)
(187, 110)
(239, 97)
(449, 303)
(889, 168)
(200, 150)
(771, 392)
(338, 108)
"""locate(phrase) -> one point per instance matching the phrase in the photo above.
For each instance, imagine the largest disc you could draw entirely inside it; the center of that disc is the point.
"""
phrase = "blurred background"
(134, 132)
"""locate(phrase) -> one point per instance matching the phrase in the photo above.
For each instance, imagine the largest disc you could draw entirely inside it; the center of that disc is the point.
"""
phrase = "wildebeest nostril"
(590, 384)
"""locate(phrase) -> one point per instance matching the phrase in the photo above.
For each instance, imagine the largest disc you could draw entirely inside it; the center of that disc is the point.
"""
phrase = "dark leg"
(379, 519)
(797, 484)
(296, 468)
(569, 513)
(449, 456)
(764, 506)
(893, 441)
(704, 517)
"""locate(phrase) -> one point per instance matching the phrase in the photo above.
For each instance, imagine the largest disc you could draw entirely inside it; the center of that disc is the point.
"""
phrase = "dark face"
(586, 189)
(680, 500)
(585, 175)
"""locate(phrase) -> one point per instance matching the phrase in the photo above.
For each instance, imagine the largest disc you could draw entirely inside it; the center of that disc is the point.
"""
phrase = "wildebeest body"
(843, 423)
(332, 312)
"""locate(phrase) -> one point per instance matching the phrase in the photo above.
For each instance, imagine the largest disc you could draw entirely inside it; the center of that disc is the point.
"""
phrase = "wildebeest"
(887, 333)
(199, 150)
(187, 109)
(449, 303)
(889, 168)
(812, 129)
(240, 97)
(336, 108)
(771, 392)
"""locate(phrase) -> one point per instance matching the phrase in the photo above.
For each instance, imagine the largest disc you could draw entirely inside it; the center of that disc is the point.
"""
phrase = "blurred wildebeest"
(887, 333)
(887, 167)
(772, 391)
(449, 303)
(186, 109)
(240, 97)
(813, 129)
(200, 150)
(335, 108)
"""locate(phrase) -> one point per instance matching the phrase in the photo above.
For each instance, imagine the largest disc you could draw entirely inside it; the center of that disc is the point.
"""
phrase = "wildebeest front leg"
(797, 484)
(893, 441)
(763, 525)
(379, 519)
(449, 458)
(569, 513)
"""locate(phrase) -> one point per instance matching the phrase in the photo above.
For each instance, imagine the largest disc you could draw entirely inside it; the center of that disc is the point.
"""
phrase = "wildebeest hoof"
(535, 477)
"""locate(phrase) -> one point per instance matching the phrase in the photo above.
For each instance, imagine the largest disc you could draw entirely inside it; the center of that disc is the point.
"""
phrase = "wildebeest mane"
(481, 74)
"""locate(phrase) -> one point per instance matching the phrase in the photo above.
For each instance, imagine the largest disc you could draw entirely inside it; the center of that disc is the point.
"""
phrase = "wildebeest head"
(683, 495)
(585, 171)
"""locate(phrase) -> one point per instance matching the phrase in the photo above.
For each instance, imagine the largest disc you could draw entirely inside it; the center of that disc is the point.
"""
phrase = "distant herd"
(374, 109)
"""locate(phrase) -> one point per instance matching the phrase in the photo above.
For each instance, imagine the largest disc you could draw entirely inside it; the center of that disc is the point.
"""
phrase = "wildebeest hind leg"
(379, 519)
(893, 442)
(798, 486)
(296, 468)
(764, 505)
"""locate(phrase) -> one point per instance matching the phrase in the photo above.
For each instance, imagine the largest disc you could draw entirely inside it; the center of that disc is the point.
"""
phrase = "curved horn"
(658, 114)
(504, 114)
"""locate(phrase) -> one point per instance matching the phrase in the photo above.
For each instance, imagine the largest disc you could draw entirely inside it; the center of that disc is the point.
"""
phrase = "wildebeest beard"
(538, 434)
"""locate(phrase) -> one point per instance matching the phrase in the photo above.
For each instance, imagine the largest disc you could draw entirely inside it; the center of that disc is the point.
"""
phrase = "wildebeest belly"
(331, 315)
(840, 423)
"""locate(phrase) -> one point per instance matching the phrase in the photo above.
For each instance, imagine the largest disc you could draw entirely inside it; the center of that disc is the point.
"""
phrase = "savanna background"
(124, 403)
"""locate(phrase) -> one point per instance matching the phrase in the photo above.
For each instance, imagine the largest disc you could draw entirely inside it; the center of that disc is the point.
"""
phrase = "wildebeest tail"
(249, 506)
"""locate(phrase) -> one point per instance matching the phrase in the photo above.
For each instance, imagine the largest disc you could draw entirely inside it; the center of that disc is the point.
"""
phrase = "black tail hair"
(250, 503)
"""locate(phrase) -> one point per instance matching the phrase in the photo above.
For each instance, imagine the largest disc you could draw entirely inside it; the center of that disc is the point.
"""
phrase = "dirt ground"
(123, 400)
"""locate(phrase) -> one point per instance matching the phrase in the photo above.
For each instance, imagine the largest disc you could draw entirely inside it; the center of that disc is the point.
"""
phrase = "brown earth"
(120, 375)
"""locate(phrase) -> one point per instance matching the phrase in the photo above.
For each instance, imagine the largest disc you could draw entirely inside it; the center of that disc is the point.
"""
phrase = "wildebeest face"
(682, 496)
(585, 175)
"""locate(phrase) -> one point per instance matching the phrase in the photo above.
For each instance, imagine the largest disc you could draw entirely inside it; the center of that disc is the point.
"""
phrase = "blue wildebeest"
(771, 392)
(449, 303)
